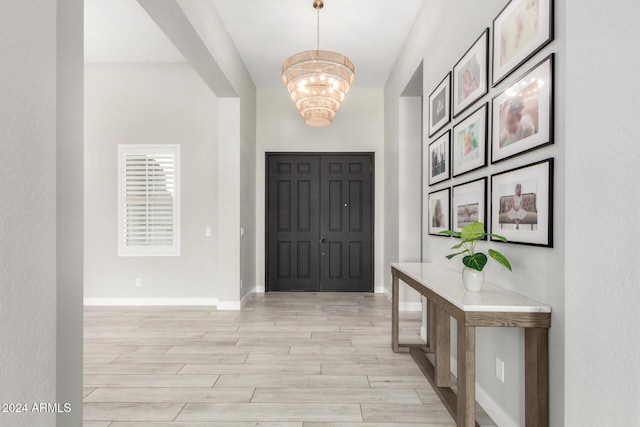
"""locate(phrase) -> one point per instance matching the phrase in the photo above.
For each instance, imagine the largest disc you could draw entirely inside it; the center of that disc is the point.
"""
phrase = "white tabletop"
(448, 284)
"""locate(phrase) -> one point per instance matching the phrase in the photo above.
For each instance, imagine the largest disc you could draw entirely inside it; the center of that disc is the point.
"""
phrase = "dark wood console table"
(493, 307)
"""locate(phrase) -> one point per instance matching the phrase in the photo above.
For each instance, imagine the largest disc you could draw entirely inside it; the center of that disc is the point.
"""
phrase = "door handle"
(323, 240)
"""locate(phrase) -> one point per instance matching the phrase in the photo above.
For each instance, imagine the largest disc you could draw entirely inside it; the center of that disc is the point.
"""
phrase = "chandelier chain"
(318, 30)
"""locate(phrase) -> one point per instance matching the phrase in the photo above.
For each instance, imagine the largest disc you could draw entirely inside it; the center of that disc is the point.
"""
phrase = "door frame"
(268, 154)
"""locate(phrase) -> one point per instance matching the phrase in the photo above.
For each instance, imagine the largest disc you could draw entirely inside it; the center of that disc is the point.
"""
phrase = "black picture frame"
(507, 58)
(470, 133)
(438, 206)
(440, 105)
(438, 159)
(530, 100)
(469, 203)
(471, 74)
(532, 222)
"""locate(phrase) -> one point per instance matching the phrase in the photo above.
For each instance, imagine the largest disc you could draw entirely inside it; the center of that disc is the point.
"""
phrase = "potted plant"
(474, 262)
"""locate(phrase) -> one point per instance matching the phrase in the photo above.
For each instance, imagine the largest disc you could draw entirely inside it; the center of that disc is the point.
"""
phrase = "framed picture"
(522, 204)
(469, 203)
(438, 159)
(522, 115)
(471, 75)
(440, 106)
(519, 32)
(470, 142)
(438, 211)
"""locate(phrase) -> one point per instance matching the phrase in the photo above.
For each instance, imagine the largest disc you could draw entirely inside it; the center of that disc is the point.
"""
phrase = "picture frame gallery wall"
(493, 106)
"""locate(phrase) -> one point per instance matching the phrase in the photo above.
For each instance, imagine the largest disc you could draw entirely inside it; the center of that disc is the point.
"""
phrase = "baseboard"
(150, 301)
(380, 290)
(410, 306)
(229, 305)
(244, 299)
(490, 406)
(260, 289)
(387, 293)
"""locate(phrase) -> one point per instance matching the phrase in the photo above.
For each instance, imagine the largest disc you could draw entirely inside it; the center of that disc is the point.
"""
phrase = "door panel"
(319, 222)
(293, 219)
(346, 223)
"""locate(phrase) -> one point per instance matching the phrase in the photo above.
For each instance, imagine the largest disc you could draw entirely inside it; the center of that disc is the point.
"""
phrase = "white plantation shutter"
(148, 200)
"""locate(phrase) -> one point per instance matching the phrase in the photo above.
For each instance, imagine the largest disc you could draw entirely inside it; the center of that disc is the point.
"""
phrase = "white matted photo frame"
(521, 29)
(438, 159)
(438, 211)
(469, 146)
(469, 203)
(522, 204)
(522, 114)
(440, 106)
(471, 75)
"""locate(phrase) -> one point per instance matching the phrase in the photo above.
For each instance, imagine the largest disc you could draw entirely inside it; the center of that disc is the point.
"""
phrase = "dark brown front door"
(320, 222)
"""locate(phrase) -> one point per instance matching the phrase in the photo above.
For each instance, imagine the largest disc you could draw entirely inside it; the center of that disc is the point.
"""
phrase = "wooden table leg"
(443, 348)
(536, 377)
(466, 376)
(395, 294)
(431, 325)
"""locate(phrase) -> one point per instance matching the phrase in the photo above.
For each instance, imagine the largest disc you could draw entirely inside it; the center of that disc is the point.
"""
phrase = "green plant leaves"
(498, 237)
(476, 261)
(459, 253)
(500, 258)
(473, 231)
(470, 234)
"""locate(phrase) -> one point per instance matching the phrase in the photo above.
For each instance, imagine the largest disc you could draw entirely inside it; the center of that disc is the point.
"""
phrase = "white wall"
(601, 204)
(241, 150)
(441, 35)
(358, 126)
(151, 104)
(38, 71)
(70, 209)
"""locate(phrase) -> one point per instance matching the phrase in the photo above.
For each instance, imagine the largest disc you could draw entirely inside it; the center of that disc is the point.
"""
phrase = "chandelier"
(318, 80)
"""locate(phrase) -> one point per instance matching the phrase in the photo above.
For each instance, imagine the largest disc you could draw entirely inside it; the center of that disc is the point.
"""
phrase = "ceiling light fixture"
(318, 80)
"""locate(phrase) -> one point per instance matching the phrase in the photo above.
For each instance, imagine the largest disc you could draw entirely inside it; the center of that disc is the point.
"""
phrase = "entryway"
(319, 216)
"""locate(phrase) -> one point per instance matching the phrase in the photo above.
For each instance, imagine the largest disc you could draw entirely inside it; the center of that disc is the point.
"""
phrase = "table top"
(448, 285)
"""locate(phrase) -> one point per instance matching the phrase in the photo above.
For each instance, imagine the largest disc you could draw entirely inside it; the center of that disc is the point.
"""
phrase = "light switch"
(207, 232)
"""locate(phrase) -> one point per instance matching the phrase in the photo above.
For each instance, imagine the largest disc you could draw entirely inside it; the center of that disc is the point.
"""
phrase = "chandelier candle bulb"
(318, 81)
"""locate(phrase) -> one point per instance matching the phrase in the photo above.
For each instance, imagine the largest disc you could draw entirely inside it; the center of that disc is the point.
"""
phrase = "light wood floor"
(285, 360)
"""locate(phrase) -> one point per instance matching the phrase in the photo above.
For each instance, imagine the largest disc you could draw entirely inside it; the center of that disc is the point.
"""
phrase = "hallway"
(286, 360)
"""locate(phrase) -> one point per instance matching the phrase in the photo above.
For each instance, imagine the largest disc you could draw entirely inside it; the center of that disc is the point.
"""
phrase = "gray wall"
(69, 212)
(442, 33)
(151, 104)
(602, 187)
(40, 213)
(241, 149)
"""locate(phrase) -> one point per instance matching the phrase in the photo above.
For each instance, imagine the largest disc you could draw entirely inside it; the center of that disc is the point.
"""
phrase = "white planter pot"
(472, 279)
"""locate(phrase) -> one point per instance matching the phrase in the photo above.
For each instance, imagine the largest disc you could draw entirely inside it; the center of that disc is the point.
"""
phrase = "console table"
(493, 307)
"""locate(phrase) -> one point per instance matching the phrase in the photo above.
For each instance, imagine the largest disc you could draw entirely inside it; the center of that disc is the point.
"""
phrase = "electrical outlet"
(138, 282)
(499, 369)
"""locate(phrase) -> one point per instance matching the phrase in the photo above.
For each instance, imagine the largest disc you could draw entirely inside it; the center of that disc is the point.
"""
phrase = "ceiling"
(121, 31)
(370, 32)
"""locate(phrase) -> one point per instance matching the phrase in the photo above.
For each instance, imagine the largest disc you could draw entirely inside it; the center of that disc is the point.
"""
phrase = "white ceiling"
(370, 32)
(121, 31)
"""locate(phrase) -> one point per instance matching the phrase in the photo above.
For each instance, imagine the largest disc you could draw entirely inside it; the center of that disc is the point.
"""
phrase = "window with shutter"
(148, 200)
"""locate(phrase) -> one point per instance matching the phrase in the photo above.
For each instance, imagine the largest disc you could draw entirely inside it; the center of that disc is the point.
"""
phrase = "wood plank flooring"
(285, 360)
